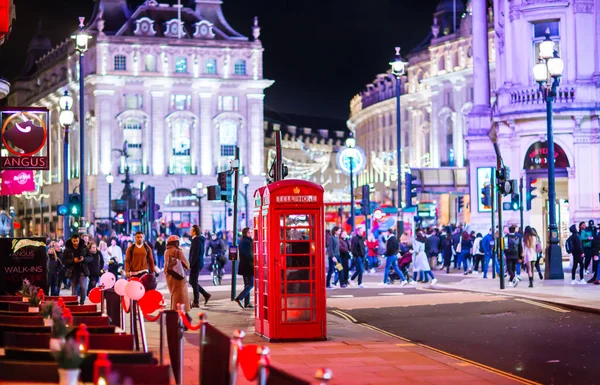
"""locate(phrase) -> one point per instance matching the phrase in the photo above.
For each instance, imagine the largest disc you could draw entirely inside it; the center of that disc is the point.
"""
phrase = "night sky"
(319, 52)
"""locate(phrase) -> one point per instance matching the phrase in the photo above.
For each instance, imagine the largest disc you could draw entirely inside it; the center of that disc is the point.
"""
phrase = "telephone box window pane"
(298, 288)
(298, 275)
(299, 221)
(298, 302)
(298, 315)
(299, 234)
(298, 248)
(298, 261)
(266, 311)
(281, 234)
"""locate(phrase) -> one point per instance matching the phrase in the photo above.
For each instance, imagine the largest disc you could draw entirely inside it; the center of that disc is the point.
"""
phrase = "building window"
(211, 66)
(180, 198)
(540, 30)
(442, 63)
(450, 141)
(181, 65)
(181, 142)
(239, 67)
(132, 134)
(228, 103)
(133, 101)
(228, 131)
(120, 63)
(150, 63)
(181, 102)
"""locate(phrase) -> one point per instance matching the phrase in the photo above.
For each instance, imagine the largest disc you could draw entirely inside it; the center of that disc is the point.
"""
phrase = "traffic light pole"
(352, 209)
(236, 184)
(521, 204)
(493, 202)
(500, 243)
(66, 230)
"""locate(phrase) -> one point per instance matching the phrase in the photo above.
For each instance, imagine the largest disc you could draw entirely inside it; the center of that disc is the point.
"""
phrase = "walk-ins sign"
(25, 139)
(22, 258)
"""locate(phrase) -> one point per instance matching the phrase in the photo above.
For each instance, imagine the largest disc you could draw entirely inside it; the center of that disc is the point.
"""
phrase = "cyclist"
(216, 249)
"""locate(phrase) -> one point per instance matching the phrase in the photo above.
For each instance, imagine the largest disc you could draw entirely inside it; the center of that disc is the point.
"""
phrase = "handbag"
(175, 269)
(459, 248)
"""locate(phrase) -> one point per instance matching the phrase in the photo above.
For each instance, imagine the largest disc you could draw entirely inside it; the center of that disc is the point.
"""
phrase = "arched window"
(239, 67)
(181, 197)
(181, 143)
(228, 131)
(450, 140)
(120, 63)
(132, 133)
(211, 66)
(181, 65)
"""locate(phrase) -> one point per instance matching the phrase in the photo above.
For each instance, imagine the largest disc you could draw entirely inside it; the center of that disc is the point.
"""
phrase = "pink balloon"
(134, 290)
(120, 287)
(108, 280)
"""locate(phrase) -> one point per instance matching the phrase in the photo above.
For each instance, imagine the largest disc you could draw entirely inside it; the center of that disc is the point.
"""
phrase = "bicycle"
(216, 271)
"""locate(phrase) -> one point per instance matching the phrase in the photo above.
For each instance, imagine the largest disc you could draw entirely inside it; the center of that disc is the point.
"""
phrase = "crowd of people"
(413, 259)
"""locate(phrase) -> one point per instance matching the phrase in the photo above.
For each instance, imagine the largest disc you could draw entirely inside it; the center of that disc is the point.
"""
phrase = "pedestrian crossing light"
(410, 189)
(514, 202)
(486, 195)
(530, 190)
(75, 205)
(461, 204)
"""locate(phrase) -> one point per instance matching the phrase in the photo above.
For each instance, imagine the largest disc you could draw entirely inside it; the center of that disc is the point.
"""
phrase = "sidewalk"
(357, 355)
(559, 292)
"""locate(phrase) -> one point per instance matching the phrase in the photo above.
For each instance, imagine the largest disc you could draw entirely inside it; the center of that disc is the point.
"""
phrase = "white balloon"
(135, 290)
(108, 280)
(120, 287)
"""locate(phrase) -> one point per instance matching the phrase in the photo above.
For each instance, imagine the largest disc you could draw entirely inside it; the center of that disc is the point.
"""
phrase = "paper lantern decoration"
(108, 280)
(135, 290)
(120, 287)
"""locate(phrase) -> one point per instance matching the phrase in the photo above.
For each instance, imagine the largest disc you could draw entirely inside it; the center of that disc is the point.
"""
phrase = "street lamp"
(398, 68)
(351, 143)
(81, 46)
(110, 179)
(200, 192)
(246, 182)
(388, 184)
(547, 73)
(65, 119)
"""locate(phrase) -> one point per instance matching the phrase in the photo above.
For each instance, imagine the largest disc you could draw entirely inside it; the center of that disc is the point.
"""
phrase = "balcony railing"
(533, 95)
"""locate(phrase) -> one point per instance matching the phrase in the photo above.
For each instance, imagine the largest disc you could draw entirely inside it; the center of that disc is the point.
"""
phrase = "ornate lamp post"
(66, 120)
(351, 143)
(547, 73)
(246, 182)
(398, 68)
(200, 192)
(81, 46)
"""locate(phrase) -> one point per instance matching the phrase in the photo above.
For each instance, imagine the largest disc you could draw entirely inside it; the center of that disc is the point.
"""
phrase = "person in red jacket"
(372, 245)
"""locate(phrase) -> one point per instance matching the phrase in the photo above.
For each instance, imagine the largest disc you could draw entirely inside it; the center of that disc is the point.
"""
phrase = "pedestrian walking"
(54, 267)
(596, 258)
(432, 248)
(95, 266)
(487, 244)
(478, 253)
(344, 275)
(447, 249)
(540, 254)
(196, 261)
(392, 248)
(246, 268)
(372, 252)
(160, 247)
(175, 266)
(513, 252)
(575, 248)
(76, 260)
(421, 263)
(587, 237)
(357, 248)
(333, 253)
(115, 251)
(464, 250)
(138, 258)
(530, 247)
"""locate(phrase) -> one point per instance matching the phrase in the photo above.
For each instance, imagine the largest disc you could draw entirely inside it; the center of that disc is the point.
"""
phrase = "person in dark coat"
(95, 266)
(357, 247)
(246, 268)
(54, 269)
(76, 259)
(344, 275)
(575, 247)
(161, 246)
(196, 265)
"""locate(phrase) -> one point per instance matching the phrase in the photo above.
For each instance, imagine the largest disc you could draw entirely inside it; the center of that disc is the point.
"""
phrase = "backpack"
(481, 246)
(512, 246)
(569, 245)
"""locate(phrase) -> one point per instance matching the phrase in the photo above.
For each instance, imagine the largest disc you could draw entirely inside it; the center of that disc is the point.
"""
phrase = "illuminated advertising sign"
(484, 177)
(17, 182)
(25, 138)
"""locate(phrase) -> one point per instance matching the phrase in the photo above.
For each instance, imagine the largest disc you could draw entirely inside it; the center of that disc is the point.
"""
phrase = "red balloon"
(152, 301)
(248, 359)
(95, 295)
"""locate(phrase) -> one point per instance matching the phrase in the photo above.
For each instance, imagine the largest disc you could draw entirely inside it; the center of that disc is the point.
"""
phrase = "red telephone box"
(289, 245)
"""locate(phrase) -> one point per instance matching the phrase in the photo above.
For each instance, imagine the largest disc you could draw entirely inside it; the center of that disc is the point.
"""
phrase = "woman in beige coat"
(177, 288)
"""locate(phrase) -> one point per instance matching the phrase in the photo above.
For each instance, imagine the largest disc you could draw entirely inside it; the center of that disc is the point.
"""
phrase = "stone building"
(182, 94)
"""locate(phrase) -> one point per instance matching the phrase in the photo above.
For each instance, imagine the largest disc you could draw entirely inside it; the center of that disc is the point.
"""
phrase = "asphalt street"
(522, 338)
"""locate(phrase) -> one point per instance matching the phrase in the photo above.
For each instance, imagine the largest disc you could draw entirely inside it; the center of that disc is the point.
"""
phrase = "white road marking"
(390, 294)
(342, 296)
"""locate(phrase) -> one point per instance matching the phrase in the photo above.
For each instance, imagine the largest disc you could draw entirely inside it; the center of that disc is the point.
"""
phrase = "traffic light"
(410, 189)
(62, 210)
(461, 203)
(225, 183)
(365, 202)
(157, 213)
(229, 212)
(75, 205)
(222, 180)
(514, 202)
(486, 195)
(530, 189)
(120, 218)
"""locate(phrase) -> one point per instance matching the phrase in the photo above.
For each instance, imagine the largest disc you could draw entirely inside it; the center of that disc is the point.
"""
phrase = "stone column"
(481, 71)
(254, 151)
(206, 134)
(158, 131)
